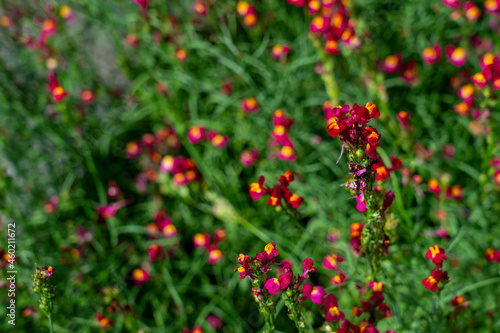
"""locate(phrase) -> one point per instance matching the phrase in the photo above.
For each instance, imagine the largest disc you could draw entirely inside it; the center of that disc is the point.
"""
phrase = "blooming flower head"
(332, 311)
(491, 255)
(452, 3)
(287, 153)
(273, 286)
(430, 55)
(132, 149)
(105, 212)
(250, 105)
(479, 80)
(434, 187)
(338, 279)
(181, 55)
(392, 63)
(214, 256)
(218, 140)
(257, 189)
(249, 157)
(433, 280)
(280, 51)
(454, 192)
(496, 177)
(140, 276)
(436, 254)
(269, 253)
(472, 12)
(331, 261)
(459, 301)
(87, 96)
(244, 8)
(104, 322)
(196, 134)
(492, 6)
(315, 293)
(361, 203)
(200, 8)
(457, 56)
(201, 240)
(56, 89)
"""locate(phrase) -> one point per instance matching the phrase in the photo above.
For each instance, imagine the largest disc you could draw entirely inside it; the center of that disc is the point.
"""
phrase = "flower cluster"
(197, 134)
(360, 140)
(437, 256)
(374, 306)
(278, 193)
(42, 286)
(332, 22)
(280, 138)
(203, 241)
(248, 12)
(258, 267)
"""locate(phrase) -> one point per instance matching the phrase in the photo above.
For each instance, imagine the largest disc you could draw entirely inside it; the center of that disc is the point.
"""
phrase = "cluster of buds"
(332, 22)
(197, 134)
(374, 306)
(365, 168)
(492, 255)
(57, 91)
(278, 193)
(279, 136)
(42, 286)
(248, 12)
(451, 192)
(438, 256)
(407, 72)
(263, 287)
(184, 169)
(202, 240)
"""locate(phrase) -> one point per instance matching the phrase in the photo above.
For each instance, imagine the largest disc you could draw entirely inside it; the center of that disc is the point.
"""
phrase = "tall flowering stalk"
(366, 168)
(264, 287)
(42, 286)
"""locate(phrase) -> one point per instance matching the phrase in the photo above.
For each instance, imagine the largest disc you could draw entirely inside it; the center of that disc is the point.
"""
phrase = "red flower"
(257, 190)
(436, 254)
(432, 281)
(492, 255)
(196, 134)
(331, 261)
(332, 310)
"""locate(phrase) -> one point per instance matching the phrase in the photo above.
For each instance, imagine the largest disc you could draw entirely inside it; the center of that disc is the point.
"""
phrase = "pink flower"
(196, 134)
(140, 276)
(457, 56)
(273, 286)
(249, 157)
(250, 105)
(431, 54)
(214, 256)
(361, 203)
(331, 261)
(316, 294)
(218, 140)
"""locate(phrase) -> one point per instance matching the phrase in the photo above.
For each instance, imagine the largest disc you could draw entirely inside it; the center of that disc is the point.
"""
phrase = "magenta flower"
(273, 286)
(332, 310)
(361, 203)
(315, 293)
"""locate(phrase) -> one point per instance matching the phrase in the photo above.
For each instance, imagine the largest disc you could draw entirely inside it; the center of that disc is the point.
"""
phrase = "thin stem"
(50, 323)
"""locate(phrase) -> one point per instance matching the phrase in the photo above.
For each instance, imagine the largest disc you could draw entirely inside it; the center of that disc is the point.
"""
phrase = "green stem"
(50, 323)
